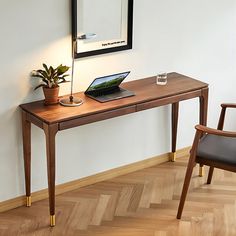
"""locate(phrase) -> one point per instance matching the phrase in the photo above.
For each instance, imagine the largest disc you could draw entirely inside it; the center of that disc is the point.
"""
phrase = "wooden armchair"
(213, 148)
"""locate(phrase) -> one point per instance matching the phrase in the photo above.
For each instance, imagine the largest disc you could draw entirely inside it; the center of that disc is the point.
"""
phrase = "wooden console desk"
(148, 95)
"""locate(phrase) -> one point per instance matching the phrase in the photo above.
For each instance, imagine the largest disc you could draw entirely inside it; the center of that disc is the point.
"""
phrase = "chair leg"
(185, 188)
(201, 170)
(210, 175)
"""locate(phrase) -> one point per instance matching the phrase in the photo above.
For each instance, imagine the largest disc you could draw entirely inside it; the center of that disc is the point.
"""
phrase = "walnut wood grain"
(36, 121)
(174, 122)
(208, 130)
(203, 106)
(168, 100)
(50, 133)
(145, 90)
(147, 95)
(26, 133)
(230, 105)
(194, 159)
(220, 127)
(188, 175)
(216, 164)
(97, 117)
(210, 174)
(223, 112)
(222, 119)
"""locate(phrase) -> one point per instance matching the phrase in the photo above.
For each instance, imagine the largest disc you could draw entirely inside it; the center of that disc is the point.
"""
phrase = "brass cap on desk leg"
(173, 156)
(52, 220)
(28, 201)
(201, 171)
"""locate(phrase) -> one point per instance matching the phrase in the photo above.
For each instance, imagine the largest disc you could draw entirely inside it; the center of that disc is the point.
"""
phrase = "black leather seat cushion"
(217, 148)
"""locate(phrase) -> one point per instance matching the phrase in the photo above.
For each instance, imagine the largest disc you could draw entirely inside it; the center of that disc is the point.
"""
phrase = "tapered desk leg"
(50, 133)
(26, 132)
(174, 121)
(203, 118)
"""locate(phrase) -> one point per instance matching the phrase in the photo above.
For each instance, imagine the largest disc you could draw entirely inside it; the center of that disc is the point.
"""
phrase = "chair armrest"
(230, 105)
(204, 129)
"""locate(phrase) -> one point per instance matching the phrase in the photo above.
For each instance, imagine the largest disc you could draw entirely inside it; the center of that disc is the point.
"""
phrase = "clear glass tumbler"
(161, 78)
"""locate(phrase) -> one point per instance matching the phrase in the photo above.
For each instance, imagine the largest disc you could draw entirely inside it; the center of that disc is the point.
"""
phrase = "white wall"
(196, 38)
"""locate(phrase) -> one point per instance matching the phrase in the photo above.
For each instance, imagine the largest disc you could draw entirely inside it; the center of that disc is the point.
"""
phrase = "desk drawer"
(96, 117)
(168, 100)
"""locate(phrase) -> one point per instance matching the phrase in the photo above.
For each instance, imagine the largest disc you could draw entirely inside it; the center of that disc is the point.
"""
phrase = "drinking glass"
(161, 78)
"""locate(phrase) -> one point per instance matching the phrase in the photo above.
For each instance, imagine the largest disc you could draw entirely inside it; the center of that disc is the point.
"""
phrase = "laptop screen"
(107, 82)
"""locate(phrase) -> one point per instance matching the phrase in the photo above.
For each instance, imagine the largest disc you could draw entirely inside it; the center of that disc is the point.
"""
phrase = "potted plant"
(50, 79)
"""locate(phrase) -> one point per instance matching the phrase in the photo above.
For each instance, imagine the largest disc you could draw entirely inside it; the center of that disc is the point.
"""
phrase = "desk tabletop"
(145, 90)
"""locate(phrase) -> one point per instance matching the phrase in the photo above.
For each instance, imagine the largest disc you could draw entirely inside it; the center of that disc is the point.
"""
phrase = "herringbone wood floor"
(143, 203)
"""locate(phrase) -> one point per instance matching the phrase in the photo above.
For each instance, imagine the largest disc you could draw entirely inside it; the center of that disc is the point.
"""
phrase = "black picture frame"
(128, 46)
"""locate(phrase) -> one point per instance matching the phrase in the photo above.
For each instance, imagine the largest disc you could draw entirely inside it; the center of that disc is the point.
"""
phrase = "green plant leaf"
(45, 81)
(61, 82)
(40, 85)
(62, 78)
(38, 76)
(62, 69)
(43, 73)
(50, 76)
(51, 72)
(66, 75)
(55, 73)
(46, 68)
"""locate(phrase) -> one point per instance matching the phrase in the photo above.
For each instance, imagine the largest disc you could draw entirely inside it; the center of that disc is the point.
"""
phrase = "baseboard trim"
(106, 175)
(183, 152)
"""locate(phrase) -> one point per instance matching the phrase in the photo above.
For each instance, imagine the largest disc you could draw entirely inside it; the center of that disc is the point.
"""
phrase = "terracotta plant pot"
(51, 95)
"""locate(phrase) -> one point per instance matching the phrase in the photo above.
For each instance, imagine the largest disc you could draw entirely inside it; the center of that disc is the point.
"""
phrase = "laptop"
(107, 88)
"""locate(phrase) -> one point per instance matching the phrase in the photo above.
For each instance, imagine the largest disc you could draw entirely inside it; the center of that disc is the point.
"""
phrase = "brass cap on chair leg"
(28, 201)
(173, 156)
(201, 171)
(52, 220)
